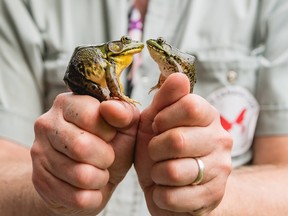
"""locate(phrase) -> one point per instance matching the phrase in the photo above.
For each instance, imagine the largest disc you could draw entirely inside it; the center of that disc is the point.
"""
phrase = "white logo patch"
(239, 112)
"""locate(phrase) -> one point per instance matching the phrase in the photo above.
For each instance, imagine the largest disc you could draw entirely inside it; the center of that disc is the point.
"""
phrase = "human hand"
(174, 130)
(82, 150)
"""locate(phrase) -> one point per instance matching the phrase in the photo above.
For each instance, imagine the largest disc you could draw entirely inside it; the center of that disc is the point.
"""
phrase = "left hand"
(82, 150)
(174, 130)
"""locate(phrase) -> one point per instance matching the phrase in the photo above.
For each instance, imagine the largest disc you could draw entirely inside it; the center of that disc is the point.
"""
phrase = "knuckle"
(177, 142)
(41, 124)
(227, 166)
(226, 140)
(173, 172)
(223, 171)
(84, 176)
(168, 200)
(225, 143)
(191, 109)
(82, 199)
(35, 151)
(60, 99)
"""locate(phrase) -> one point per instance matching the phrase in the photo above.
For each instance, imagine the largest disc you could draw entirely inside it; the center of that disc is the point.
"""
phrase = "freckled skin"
(95, 70)
(171, 60)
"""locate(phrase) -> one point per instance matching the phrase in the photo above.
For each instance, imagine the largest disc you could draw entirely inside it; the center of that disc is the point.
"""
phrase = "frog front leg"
(161, 80)
(114, 85)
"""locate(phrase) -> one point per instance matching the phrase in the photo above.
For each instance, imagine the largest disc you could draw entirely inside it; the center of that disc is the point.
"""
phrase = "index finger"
(83, 111)
(190, 110)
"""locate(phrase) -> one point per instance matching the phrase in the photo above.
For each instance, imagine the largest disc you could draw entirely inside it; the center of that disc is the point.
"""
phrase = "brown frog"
(95, 70)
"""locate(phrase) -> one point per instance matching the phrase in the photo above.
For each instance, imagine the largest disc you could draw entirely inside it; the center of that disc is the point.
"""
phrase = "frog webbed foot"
(154, 87)
(161, 80)
(125, 98)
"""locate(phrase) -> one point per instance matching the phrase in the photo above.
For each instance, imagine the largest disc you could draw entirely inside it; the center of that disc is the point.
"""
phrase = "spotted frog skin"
(95, 70)
(171, 60)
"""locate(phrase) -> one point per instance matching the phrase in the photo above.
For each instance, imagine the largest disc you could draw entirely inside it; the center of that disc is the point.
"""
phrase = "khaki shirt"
(247, 37)
(37, 38)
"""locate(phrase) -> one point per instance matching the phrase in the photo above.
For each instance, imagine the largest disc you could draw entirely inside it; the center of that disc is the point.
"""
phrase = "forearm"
(18, 196)
(256, 190)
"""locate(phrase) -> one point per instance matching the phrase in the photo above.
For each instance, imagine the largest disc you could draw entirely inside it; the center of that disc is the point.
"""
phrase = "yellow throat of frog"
(122, 61)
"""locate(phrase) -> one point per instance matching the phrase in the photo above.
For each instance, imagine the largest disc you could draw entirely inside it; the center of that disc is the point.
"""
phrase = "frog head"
(121, 52)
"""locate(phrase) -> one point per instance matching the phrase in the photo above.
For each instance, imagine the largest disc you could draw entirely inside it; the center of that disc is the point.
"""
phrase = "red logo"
(238, 115)
(227, 125)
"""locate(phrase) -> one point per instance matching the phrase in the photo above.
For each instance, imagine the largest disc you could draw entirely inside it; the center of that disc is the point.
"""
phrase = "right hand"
(176, 128)
(82, 150)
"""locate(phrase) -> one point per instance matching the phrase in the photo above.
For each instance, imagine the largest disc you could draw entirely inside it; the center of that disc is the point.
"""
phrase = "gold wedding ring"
(201, 169)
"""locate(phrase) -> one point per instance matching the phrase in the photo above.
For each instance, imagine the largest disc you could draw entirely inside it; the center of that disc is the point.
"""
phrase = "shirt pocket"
(214, 74)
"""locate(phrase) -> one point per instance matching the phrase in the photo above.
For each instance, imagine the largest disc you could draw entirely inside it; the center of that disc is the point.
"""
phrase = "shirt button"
(145, 79)
(232, 76)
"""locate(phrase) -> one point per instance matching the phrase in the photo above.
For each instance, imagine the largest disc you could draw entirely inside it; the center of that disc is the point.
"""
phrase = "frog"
(95, 70)
(171, 60)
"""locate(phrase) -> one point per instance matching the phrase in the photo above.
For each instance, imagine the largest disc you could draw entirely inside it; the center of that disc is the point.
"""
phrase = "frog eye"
(115, 47)
(160, 40)
(126, 39)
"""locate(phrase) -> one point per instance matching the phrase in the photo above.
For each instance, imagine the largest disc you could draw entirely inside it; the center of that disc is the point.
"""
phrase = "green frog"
(171, 60)
(95, 70)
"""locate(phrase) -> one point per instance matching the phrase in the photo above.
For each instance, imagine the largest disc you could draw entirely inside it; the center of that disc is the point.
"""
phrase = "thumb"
(175, 87)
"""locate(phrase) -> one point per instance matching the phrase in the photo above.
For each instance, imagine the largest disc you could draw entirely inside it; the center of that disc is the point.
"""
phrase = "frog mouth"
(131, 51)
(134, 50)
(157, 49)
(156, 53)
